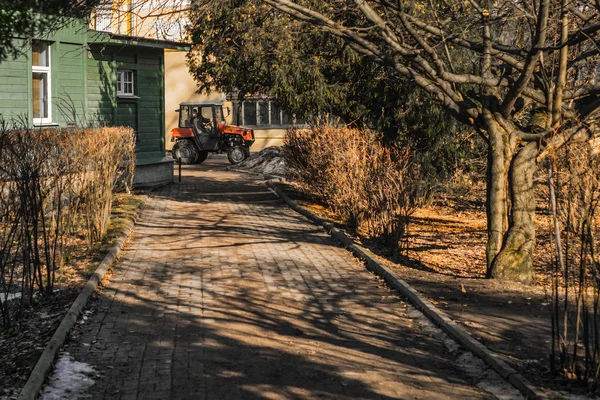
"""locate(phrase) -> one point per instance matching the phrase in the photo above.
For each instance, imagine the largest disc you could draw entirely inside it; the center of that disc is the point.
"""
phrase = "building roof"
(111, 38)
(200, 103)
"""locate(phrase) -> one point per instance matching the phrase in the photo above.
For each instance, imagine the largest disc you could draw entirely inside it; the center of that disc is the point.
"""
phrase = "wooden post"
(179, 162)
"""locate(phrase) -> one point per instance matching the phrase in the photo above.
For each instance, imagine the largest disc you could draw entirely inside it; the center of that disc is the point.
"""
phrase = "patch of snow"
(570, 396)
(451, 345)
(475, 368)
(10, 296)
(85, 316)
(69, 380)
(496, 385)
(268, 161)
(472, 365)
(10, 394)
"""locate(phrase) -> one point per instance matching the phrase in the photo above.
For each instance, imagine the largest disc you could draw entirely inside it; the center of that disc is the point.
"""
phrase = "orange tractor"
(202, 130)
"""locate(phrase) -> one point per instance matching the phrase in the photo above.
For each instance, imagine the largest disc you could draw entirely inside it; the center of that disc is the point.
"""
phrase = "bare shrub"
(107, 156)
(375, 189)
(574, 184)
(56, 185)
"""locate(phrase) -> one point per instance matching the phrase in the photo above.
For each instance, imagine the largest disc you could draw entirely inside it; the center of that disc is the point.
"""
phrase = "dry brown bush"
(55, 185)
(375, 189)
(574, 195)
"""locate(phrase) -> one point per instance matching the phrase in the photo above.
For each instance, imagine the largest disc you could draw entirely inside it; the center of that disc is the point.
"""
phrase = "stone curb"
(46, 361)
(440, 318)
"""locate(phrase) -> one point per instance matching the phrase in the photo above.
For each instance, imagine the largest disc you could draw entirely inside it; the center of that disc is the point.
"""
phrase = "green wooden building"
(79, 77)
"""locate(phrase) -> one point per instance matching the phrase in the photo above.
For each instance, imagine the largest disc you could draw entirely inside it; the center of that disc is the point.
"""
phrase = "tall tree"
(30, 18)
(531, 87)
(246, 47)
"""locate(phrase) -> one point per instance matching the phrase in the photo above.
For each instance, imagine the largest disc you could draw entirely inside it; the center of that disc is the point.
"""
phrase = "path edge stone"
(45, 363)
(436, 315)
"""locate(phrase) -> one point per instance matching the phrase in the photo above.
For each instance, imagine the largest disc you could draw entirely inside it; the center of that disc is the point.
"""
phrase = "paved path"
(224, 293)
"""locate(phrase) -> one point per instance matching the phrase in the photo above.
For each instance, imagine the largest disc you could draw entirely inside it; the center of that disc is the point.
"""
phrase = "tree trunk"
(496, 193)
(514, 261)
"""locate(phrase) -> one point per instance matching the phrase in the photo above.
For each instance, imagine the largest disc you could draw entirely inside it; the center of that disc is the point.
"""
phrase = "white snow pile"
(69, 380)
(268, 161)
(485, 378)
(10, 296)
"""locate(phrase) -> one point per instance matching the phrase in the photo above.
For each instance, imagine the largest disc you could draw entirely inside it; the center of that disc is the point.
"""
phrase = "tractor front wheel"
(186, 150)
(236, 154)
(202, 156)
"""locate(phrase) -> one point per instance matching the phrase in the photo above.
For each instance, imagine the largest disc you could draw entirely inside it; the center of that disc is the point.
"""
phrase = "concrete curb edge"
(440, 318)
(46, 361)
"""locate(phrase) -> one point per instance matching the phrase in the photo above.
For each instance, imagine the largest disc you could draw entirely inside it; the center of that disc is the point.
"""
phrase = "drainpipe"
(130, 27)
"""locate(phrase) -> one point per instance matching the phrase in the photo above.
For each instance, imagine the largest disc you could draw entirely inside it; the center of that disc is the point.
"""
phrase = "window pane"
(219, 114)
(40, 94)
(275, 114)
(184, 117)
(249, 113)
(287, 119)
(39, 53)
(103, 19)
(125, 82)
(263, 113)
(206, 113)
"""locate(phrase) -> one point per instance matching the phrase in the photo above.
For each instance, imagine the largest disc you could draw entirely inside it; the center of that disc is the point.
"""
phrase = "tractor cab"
(202, 130)
(204, 120)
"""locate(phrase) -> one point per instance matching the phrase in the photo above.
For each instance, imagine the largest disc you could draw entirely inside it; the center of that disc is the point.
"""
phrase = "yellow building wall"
(181, 87)
(267, 138)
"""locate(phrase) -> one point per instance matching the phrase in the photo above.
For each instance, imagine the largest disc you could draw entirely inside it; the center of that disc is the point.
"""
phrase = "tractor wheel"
(186, 150)
(202, 156)
(236, 154)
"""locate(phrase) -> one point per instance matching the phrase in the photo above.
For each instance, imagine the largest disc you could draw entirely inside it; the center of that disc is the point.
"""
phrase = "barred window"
(262, 114)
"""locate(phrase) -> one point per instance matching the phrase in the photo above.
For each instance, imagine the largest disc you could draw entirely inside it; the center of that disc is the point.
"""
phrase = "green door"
(127, 116)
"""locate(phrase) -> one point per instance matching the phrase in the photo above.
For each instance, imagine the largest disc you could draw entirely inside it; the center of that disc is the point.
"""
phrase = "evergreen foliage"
(248, 48)
(26, 19)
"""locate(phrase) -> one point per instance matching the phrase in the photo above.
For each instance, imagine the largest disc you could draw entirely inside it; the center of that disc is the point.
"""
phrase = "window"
(125, 82)
(103, 20)
(262, 113)
(103, 16)
(40, 79)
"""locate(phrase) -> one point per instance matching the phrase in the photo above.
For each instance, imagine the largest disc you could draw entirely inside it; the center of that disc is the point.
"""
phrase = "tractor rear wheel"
(236, 154)
(186, 150)
(202, 156)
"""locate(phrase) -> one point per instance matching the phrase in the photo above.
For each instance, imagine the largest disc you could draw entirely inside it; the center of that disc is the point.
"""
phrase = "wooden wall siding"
(127, 115)
(68, 85)
(101, 89)
(14, 88)
(145, 112)
(84, 89)
(150, 108)
(76, 32)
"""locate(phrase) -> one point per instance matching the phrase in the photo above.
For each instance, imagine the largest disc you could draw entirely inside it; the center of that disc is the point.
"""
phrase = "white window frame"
(122, 74)
(48, 71)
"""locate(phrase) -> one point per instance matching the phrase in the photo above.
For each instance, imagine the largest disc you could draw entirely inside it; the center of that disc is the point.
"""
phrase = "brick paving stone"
(224, 293)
